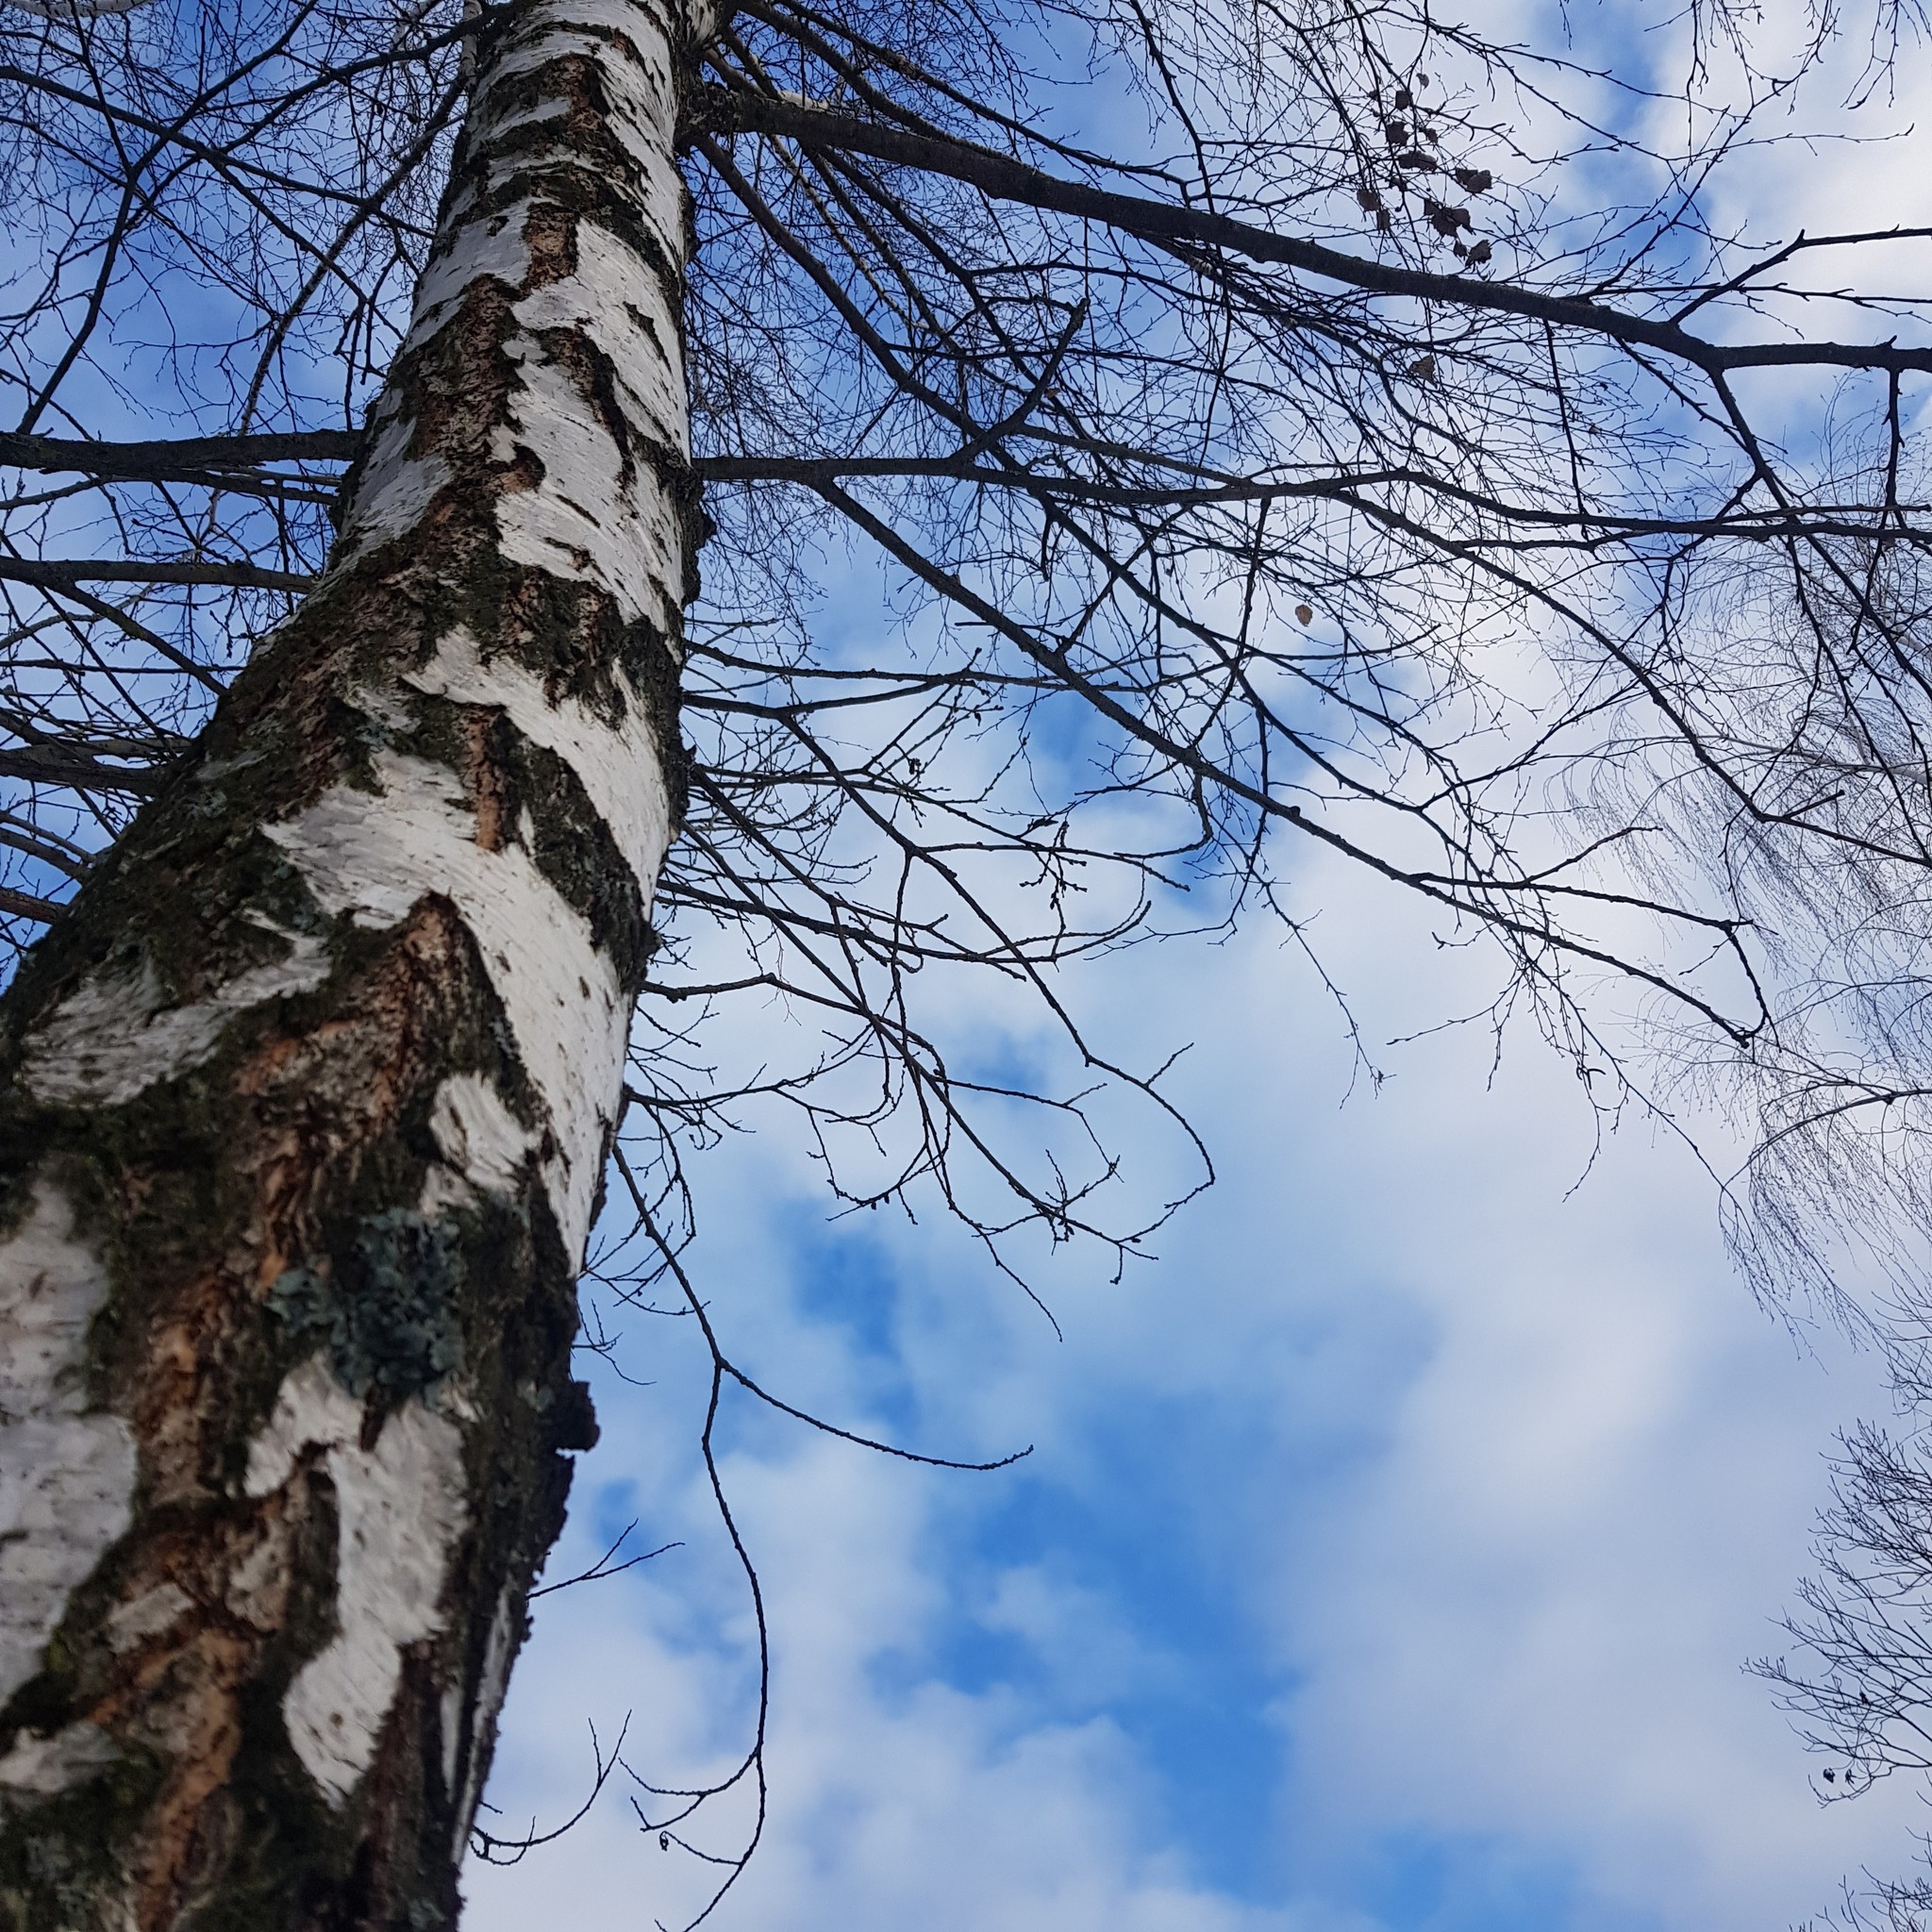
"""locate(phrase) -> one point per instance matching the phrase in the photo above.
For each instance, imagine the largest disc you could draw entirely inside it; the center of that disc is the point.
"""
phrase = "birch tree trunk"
(309, 1094)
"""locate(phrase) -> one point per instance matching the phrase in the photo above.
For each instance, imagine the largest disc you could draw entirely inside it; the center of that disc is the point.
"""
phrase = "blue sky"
(1387, 1558)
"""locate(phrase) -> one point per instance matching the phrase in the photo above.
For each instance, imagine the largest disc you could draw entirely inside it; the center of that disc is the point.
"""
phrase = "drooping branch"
(186, 458)
(1003, 178)
(60, 572)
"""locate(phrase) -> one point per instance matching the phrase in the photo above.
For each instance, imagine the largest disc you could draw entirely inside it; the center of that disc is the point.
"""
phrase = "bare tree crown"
(1272, 428)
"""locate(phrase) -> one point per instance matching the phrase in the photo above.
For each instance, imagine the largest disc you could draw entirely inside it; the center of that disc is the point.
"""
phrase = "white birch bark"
(311, 1094)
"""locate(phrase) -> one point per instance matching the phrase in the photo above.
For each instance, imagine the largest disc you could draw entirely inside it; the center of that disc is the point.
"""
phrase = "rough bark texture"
(307, 1098)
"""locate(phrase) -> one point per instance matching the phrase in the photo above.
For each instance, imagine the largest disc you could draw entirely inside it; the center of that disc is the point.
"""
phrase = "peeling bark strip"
(308, 1096)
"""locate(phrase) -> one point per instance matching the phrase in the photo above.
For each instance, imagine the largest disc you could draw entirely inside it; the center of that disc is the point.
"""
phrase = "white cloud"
(1484, 1492)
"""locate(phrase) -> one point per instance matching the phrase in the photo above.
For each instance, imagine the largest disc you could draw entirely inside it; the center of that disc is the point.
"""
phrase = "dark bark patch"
(485, 751)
